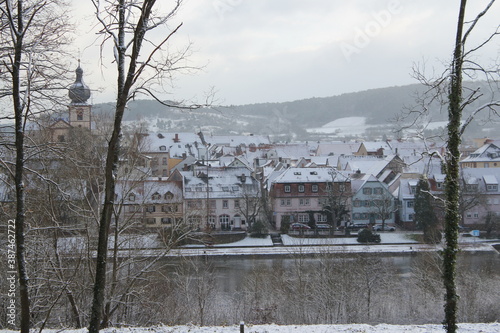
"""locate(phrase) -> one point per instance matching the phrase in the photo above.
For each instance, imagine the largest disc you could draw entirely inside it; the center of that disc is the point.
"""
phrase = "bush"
(367, 236)
(258, 229)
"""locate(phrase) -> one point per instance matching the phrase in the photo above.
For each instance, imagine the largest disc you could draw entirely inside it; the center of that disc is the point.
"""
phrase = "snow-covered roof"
(221, 183)
(490, 180)
(337, 148)
(310, 175)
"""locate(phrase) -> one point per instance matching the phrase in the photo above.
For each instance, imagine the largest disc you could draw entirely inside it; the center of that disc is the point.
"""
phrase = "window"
(377, 190)
(236, 204)
(169, 195)
(163, 148)
(471, 187)
(367, 191)
(235, 188)
(79, 115)
(188, 189)
(211, 221)
(194, 204)
(151, 209)
(164, 161)
(150, 221)
(304, 218)
(285, 202)
(133, 208)
(491, 188)
(410, 217)
(439, 185)
(156, 196)
(224, 219)
(60, 138)
(357, 203)
(413, 189)
(131, 197)
(301, 188)
(409, 204)
(321, 218)
(287, 189)
(194, 220)
(213, 204)
(198, 189)
(366, 203)
(304, 202)
(225, 188)
(225, 204)
(166, 220)
(314, 188)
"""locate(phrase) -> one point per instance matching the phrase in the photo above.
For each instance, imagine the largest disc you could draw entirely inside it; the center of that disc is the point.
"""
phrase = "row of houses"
(230, 188)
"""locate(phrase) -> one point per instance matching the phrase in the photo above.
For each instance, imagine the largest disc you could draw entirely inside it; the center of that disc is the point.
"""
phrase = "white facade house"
(220, 198)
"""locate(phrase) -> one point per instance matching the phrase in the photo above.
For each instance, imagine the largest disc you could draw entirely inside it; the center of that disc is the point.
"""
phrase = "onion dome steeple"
(79, 92)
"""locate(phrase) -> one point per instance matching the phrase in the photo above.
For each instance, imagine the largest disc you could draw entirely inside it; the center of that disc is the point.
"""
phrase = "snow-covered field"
(355, 328)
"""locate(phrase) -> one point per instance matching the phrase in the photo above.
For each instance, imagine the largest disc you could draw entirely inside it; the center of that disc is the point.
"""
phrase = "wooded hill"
(290, 120)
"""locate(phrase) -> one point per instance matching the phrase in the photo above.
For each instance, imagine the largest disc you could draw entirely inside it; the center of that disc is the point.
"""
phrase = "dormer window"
(169, 196)
(79, 115)
(156, 196)
(163, 148)
(131, 197)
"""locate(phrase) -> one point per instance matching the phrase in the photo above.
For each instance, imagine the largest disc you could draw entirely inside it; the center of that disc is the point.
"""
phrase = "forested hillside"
(290, 120)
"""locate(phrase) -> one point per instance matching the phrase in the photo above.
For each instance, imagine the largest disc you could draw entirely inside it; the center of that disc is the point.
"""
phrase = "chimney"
(176, 137)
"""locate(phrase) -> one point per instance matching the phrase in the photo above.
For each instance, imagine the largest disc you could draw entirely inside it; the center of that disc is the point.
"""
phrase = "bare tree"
(33, 36)
(456, 104)
(447, 92)
(338, 198)
(125, 24)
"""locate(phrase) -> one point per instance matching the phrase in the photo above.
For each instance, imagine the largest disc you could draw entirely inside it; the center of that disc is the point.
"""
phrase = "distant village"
(230, 182)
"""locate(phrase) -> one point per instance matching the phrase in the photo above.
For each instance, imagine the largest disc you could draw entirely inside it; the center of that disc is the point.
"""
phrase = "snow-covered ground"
(343, 126)
(354, 328)
(392, 242)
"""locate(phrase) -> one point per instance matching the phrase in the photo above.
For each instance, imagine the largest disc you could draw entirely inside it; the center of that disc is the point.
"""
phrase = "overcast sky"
(283, 50)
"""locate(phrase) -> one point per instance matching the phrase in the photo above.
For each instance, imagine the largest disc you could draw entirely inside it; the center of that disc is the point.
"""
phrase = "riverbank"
(390, 243)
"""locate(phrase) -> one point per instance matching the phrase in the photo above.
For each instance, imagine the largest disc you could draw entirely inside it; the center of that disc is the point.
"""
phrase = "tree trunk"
(124, 85)
(19, 108)
(452, 187)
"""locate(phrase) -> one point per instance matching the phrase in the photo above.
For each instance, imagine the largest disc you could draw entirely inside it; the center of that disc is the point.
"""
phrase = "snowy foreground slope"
(354, 328)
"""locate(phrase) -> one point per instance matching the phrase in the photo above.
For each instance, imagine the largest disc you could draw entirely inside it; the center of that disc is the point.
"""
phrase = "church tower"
(79, 109)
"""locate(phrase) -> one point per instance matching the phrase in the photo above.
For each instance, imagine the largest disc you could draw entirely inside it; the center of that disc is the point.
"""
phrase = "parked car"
(323, 226)
(299, 226)
(356, 226)
(380, 227)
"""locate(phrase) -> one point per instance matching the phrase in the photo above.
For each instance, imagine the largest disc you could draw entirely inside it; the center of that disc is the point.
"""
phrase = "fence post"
(242, 327)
